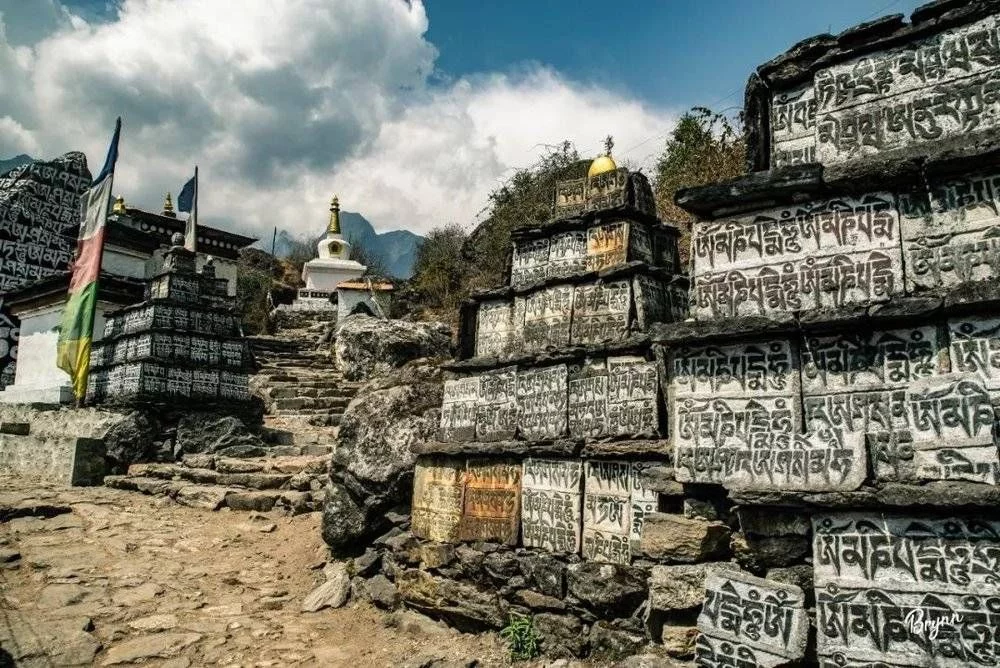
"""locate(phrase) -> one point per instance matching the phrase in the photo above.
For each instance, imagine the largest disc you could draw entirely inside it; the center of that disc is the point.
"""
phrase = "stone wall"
(802, 472)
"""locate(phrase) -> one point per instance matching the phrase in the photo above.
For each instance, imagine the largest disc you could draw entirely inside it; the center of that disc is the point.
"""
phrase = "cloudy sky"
(412, 112)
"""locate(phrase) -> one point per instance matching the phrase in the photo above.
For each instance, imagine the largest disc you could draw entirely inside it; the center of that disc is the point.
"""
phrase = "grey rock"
(612, 642)
(367, 347)
(544, 572)
(210, 432)
(649, 661)
(678, 539)
(610, 590)
(681, 586)
(501, 566)
(699, 509)
(532, 599)
(154, 623)
(436, 555)
(381, 592)
(561, 635)
(9, 556)
(331, 594)
(757, 553)
(130, 440)
(367, 563)
(343, 520)
(461, 604)
(774, 522)
(800, 575)
(470, 561)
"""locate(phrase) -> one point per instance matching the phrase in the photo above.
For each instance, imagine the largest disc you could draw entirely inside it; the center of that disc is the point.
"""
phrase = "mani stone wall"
(39, 217)
(803, 472)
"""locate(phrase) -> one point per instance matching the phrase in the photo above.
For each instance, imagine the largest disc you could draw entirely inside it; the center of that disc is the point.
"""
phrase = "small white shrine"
(334, 282)
(329, 268)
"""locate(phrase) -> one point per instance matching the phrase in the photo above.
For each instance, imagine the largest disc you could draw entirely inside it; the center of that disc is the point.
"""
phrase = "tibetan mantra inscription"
(941, 87)
(438, 486)
(824, 254)
(491, 501)
(458, 409)
(541, 402)
(749, 621)
(613, 498)
(496, 405)
(551, 491)
(601, 312)
(895, 590)
(975, 348)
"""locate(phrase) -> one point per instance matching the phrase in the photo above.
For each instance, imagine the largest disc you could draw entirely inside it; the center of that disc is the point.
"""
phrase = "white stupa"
(330, 268)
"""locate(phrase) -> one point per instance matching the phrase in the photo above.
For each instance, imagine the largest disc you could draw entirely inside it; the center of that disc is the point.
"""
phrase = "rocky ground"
(104, 577)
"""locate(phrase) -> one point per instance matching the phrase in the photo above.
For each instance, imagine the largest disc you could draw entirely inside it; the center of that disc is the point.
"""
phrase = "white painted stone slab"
(551, 512)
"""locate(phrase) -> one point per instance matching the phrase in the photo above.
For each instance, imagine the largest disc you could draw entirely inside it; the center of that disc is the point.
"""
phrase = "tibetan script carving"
(541, 398)
(550, 504)
(750, 621)
(491, 502)
(906, 591)
(458, 409)
(607, 245)
(529, 263)
(975, 348)
(496, 405)
(567, 254)
(601, 312)
(498, 331)
(793, 127)
(933, 89)
(547, 317)
(607, 511)
(633, 405)
(588, 400)
(437, 499)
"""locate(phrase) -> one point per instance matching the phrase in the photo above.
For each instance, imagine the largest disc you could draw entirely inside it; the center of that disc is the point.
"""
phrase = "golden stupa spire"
(604, 163)
(168, 207)
(119, 207)
(334, 226)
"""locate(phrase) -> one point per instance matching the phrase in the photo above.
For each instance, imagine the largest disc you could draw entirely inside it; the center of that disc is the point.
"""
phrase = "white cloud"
(282, 104)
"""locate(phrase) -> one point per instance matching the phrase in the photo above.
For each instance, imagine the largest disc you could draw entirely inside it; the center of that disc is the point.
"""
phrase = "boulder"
(561, 635)
(544, 572)
(132, 439)
(210, 432)
(367, 347)
(381, 592)
(678, 539)
(343, 519)
(757, 553)
(610, 590)
(373, 463)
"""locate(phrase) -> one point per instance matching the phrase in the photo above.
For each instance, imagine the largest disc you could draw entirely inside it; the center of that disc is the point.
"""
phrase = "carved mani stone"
(438, 486)
(496, 405)
(541, 400)
(750, 621)
(615, 503)
(491, 501)
(900, 590)
(551, 492)
(458, 409)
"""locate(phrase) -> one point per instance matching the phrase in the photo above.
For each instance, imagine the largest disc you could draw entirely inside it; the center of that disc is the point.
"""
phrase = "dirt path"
(123, 578)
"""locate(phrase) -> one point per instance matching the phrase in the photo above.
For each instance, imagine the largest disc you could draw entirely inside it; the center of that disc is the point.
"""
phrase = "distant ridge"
(8, 164)
(397, 249)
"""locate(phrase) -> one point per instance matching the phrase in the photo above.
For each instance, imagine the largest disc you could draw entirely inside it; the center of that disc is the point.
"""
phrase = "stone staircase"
(305, 398)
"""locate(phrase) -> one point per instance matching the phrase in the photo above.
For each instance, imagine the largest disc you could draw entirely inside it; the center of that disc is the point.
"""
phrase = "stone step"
(301, 403)
(289, 464)
(209, 477)
(214, 497)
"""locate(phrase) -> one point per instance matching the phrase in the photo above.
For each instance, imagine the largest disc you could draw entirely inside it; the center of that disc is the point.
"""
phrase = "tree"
(440, 269)
(703, 148)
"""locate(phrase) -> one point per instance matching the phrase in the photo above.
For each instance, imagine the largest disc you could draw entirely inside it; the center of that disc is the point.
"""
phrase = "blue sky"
(411, 112)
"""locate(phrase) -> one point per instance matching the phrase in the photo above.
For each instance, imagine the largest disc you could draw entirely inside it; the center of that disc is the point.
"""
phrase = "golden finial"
(119, 207)
(334, 226)
(168, 207)
(604, 163)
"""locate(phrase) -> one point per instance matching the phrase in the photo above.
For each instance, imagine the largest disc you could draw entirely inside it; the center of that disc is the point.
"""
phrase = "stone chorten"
(183, 342)
(332, 265)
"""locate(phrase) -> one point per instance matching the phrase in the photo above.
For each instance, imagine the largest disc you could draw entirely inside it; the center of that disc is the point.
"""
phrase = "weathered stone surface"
(373, 460)
(615, 503)
(343, 519)
(766, 644)
(551, 496)
(609, 589)
(612, 642)
(438, 498)
(681, 587)
(561, 635)
(679, 641)
(491, 501)
(677, 539)
(155, 646)
(367, 347)
(381, 592)
(848, 572)
(759, 552)
(544, 572)
(331, 594)
(209, 432)
(132, 439)
(461, 604)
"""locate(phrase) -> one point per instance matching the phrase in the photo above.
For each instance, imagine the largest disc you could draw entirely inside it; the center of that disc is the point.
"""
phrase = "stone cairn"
(804, 471)
(182, 343)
